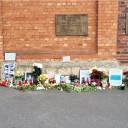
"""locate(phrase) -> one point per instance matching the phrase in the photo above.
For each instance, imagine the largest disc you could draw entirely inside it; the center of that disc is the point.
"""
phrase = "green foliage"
(25, 88)
(115, 87)
(37, 72)
(72, 77)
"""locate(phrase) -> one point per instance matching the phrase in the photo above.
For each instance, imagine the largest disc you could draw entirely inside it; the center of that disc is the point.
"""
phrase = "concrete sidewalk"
(55, 109)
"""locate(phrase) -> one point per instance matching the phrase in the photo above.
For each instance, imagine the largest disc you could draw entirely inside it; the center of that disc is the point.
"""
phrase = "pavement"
(55, 109)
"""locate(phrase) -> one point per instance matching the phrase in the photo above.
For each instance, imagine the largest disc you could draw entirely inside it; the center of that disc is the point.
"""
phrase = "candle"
(19, 83)
(26, 82)
(54, 82)
(108, 85)
(30, 82)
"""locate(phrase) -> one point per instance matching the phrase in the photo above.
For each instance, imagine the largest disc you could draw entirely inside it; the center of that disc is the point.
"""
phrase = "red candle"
(30, 82)
(19, 83)
(108, 85)
(26, 82)
(54, 82)
(84, 82)
(78, 83)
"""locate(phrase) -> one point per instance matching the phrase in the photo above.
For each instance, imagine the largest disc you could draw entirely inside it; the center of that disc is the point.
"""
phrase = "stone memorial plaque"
(127, 23)
(72, 25)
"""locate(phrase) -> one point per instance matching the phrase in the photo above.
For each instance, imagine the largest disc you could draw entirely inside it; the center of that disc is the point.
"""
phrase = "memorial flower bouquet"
(41, 79)
(37, 71)
(126, 75)
(51, 80)
(18, 75)
(72, 77)
(97, 76)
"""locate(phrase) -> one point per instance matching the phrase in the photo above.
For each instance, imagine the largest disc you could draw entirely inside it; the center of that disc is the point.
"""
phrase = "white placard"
(84, 74)
(66, 58)
(115, 78)
(57, 78)
(10, 56)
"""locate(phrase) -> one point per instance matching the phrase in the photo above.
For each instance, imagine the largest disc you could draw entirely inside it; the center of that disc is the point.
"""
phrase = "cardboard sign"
(115, 78)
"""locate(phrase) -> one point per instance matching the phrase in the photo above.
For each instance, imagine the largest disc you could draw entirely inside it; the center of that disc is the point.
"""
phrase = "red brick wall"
(107, 28)
(122, 42)
(29, 30)
(1, 34)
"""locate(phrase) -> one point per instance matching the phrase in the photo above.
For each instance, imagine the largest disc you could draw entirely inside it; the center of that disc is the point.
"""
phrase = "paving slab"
(55, 109)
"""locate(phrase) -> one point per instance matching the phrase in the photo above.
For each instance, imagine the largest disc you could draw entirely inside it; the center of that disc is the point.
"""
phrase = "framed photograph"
(67, 79)
(84, 76)
(61, 78)
(10, 56)
(29, 76)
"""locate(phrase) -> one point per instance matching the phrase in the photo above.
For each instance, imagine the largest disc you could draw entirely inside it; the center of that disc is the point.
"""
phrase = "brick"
(32, 27)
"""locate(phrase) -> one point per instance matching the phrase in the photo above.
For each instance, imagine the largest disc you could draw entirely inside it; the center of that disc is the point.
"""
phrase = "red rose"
(93, 70)
(125, 73)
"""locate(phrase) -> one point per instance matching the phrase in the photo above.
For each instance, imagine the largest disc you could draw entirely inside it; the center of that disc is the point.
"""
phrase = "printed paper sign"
(9, 69)
(115, 78)
(66, 58)
(10, 56)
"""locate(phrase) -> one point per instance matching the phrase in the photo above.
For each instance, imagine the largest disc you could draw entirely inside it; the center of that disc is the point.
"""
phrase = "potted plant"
(18, 76)
(123, 86)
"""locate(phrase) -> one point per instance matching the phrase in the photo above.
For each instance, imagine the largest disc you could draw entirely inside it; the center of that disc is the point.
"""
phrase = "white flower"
(90, 70)
(94, 83)
(99, 87)
(39, 65)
